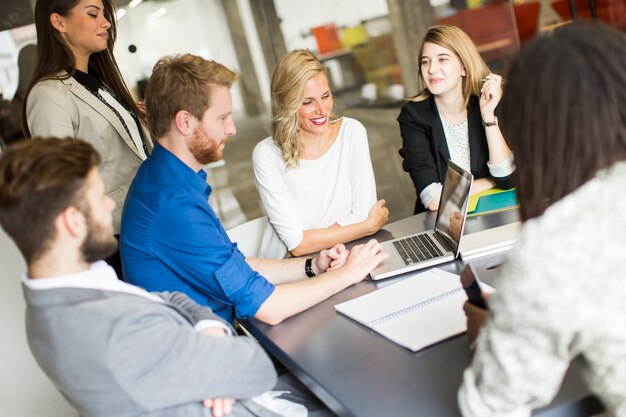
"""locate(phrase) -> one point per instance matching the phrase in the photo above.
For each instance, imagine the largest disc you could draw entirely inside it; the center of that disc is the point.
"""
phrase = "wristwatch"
(308, 268)
(489, 124)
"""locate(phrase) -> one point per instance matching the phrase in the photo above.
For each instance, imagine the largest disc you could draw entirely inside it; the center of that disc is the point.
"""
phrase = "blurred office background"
(368, 46)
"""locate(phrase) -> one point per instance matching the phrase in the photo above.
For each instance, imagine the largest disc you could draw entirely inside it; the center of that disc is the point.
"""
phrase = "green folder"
(492, 201)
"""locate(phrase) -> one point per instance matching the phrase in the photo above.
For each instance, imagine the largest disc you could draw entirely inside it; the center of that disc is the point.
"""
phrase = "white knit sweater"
(561, 294)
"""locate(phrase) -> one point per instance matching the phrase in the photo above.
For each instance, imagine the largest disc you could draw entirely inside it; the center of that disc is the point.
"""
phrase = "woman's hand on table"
(377, 217)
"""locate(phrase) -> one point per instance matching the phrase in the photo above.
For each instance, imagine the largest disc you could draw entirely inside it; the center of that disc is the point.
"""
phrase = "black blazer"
(425, 150)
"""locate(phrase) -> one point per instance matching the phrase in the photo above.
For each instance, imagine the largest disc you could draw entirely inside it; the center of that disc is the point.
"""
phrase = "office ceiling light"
(120, 13)
(134, 3)
(157, 13)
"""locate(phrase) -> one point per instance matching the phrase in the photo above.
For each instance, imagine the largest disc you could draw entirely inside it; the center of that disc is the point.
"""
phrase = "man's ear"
(185, 122)
(72, 221)
(58, 22)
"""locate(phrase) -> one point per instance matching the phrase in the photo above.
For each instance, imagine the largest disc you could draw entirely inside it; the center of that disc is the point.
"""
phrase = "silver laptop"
(435, 246)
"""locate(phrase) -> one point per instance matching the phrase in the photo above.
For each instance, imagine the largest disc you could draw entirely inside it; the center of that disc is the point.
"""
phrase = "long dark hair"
(565, 111)
(54, 56)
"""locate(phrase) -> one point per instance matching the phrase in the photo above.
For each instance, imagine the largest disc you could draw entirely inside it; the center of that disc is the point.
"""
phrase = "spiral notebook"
(417, 312)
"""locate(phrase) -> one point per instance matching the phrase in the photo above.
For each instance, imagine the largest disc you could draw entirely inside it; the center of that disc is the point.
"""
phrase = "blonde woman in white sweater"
(314, 175)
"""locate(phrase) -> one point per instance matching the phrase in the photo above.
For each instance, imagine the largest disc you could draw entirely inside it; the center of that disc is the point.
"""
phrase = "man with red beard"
(171, 240)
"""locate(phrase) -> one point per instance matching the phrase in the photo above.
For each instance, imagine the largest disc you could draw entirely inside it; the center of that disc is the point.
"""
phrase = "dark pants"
(300, 394)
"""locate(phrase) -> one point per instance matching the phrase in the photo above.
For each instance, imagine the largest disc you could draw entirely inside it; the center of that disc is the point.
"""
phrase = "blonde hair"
(288, 81)
(457, 41)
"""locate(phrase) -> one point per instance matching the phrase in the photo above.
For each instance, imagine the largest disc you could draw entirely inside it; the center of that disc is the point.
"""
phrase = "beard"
(99, 242)
(204, 148)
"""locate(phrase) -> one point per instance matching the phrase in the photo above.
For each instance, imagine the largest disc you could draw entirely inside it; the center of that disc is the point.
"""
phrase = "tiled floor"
(24, 389)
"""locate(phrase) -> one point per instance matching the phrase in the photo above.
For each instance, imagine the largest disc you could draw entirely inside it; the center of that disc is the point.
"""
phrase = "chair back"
(26, 390)
(249, 236)
(612, 12)
(527, 19)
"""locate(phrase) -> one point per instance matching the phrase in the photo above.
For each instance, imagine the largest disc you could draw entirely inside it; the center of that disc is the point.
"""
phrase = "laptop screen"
(453, 203)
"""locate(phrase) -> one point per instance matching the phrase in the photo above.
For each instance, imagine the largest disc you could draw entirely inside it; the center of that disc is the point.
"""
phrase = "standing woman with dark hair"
(77, 90)
(560, 295)
(453, 117)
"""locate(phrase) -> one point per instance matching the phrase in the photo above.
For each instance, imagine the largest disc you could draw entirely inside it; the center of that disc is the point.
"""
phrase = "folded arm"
(161, 361)
(201, 317)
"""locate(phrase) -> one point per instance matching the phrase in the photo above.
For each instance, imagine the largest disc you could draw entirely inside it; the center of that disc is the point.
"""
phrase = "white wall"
(11, 42)
(199, 26)
(298, 17)
(8, 64)
(190, 26)
(256, 52)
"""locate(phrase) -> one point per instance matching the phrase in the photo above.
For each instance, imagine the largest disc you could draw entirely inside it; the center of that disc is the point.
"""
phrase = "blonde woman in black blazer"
(77, 90)
(453, 117)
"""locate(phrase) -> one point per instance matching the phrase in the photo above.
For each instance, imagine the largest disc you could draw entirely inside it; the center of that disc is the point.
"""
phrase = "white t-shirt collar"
(100, 276)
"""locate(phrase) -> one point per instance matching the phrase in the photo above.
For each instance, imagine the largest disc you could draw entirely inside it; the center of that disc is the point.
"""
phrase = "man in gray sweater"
(113, 349)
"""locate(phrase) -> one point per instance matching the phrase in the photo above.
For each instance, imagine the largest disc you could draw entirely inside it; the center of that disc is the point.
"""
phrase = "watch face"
(494, 123)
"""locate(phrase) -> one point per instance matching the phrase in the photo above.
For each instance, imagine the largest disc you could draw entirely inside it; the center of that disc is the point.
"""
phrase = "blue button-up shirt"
(171, 240)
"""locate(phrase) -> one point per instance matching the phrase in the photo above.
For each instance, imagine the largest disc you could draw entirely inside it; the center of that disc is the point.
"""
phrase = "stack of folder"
(492, 201)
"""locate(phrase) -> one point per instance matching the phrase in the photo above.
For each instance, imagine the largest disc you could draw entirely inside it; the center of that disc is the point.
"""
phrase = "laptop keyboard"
(417, 248)
(444, 242)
